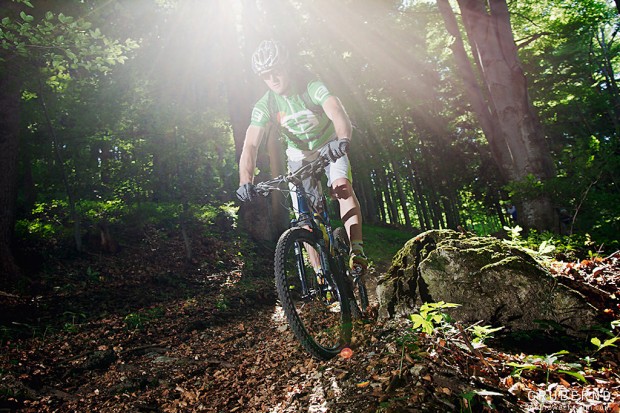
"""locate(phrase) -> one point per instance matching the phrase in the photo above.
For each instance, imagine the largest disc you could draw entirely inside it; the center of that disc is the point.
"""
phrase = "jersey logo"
(321, 93)
(300, 122)
(258, 116)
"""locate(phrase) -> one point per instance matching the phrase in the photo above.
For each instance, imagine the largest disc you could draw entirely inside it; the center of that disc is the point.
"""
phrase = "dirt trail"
(145, 331)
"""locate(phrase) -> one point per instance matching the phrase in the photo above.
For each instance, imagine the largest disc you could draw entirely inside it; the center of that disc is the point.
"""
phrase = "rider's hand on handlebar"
(246, 192)
(335, 149)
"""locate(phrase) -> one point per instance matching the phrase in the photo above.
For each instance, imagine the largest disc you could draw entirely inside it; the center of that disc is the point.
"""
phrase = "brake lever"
(262, 191)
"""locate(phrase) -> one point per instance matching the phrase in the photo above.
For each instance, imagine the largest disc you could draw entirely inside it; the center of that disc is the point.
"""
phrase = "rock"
(493, 282)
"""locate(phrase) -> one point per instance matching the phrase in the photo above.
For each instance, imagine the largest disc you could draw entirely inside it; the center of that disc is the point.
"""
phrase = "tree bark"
(501, 101)
(9, 150)
(607, 68)
(378, 194)
(401, 196)
(263, 219)
(364, 190)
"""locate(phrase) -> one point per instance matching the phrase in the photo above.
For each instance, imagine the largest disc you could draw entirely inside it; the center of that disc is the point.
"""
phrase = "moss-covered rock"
(492, 281)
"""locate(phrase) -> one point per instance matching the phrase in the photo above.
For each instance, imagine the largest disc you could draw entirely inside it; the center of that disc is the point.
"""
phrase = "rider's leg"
(349, 208)
(351, 215)
(339, 179)
(313, 256)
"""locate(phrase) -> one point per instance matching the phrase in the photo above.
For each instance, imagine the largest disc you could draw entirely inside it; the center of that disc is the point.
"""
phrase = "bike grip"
(344, 145)
(261, 191)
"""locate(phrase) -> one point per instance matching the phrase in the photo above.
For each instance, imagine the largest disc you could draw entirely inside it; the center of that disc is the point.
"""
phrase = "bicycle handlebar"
(306, 171)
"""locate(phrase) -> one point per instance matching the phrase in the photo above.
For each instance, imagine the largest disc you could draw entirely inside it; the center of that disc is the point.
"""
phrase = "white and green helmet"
(269, 55)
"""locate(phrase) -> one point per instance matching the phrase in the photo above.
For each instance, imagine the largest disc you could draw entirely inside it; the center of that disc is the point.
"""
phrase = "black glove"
(335, 149)
(246, 193)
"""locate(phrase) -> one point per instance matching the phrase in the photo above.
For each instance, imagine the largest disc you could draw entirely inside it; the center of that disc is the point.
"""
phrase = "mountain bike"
(318, 291)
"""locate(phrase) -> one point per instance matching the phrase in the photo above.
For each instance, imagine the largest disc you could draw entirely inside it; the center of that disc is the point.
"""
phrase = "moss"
(505, 262)
(486, 253)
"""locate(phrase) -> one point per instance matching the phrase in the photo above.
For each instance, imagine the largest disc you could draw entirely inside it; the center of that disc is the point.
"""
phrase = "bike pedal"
(357, 271)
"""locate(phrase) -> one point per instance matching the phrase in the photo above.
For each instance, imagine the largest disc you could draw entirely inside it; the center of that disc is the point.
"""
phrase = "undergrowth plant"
(431, 316)
(541, 249)
(548, 364)
(600, 345)
(545, 245)
(482, 333)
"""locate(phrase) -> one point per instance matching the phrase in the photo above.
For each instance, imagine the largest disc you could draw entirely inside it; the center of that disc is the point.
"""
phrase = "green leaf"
(26, 17)
(49, 15)
(596, 342)
(574, 374)
(523, 366)
(420, 322)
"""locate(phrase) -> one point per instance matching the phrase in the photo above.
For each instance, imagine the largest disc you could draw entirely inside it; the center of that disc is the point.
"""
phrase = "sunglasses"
(272, 73)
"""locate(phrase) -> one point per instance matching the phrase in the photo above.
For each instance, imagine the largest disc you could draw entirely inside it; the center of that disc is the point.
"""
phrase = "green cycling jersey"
(303, 128)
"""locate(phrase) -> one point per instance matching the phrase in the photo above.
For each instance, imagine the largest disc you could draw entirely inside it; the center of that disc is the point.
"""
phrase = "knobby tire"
(316, 316)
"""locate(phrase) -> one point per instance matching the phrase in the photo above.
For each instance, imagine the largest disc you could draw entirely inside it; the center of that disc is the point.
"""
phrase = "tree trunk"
(378, 194)
(263, 219)
(364, 190)
(607, 68)
(9, 150)
(401, 196)
(280, 214)
(77, 236)
(502, 103)
(420, 211)
(389, 192)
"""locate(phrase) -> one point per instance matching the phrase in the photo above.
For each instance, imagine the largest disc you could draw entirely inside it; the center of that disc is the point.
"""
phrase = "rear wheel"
(312, 303)
(359, 287)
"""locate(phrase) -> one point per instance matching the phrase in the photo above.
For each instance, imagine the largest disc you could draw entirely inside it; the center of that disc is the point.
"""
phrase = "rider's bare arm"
(335, 111)
(247, 162)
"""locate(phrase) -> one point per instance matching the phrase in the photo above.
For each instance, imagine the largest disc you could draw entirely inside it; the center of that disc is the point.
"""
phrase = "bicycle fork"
(322, 278)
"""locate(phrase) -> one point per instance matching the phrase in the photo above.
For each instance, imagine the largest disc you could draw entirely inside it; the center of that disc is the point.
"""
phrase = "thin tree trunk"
(421, 204)
(9, 155)
(384, 196)
(612, 85)
(378, 191)
(389, 190)
(77, 236)
(363, 188)
(280, 213)
(401, 196)
(418, 206)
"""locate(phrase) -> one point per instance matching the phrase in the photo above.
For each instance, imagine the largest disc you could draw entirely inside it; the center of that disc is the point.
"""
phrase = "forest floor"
(144, 330)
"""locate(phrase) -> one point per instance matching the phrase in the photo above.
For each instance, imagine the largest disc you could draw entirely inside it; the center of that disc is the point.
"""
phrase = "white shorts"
(334, 171)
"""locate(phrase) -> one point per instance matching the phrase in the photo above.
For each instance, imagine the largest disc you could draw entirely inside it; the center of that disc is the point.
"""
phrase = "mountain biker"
(312, 123)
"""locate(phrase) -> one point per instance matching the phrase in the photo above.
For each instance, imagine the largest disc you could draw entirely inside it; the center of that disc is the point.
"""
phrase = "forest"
(122, 123)
(123, 109)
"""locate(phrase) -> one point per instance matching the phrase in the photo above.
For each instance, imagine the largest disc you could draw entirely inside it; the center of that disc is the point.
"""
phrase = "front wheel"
(312, 302)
